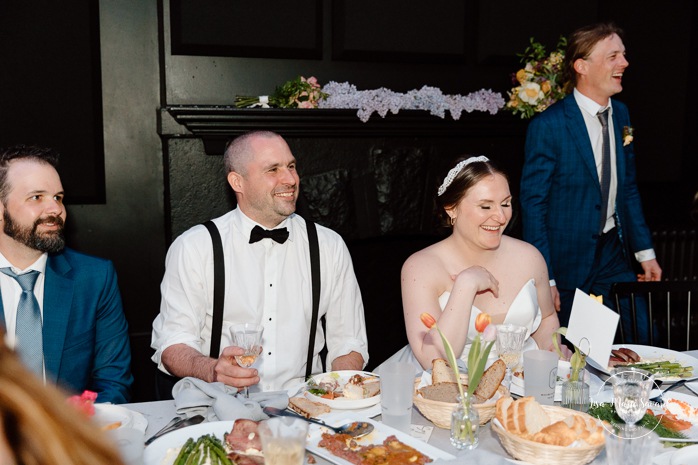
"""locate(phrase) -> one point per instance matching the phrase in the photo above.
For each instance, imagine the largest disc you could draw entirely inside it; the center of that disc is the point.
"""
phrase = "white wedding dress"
(523, 311)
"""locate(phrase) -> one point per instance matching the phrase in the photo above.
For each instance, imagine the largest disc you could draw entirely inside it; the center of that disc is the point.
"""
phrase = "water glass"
(540, 375)
(626, 446)
(397, 386)
(283, 440)
(631, 392)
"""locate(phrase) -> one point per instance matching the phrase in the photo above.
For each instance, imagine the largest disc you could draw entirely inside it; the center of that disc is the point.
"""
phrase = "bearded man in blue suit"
(80, 339)
(587, 242)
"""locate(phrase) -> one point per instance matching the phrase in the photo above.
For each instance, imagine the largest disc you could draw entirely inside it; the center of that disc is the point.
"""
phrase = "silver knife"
(182, 423)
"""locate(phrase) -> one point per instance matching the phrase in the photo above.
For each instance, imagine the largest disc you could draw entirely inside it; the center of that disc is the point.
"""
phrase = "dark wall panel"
(241, 28)
(400, 30)
(50, 88)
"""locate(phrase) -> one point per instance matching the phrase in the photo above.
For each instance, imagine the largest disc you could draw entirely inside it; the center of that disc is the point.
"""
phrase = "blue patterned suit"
(561, 199)
(85, 334)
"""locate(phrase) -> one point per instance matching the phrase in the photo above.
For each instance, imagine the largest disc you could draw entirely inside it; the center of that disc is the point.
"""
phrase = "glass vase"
(575, 395)
(465, 425)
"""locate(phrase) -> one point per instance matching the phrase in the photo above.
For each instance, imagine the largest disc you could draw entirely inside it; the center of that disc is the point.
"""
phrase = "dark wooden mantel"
(215, 124)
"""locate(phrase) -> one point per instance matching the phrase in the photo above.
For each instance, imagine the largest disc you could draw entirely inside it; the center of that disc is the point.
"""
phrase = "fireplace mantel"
(216, 123)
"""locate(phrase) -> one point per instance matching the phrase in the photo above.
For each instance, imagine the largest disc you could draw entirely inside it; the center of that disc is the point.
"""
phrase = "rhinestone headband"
(457, 169)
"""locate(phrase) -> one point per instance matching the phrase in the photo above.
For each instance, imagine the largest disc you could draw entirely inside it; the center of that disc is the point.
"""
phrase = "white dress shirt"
(266, 283)
(11, 292)
(590, 110)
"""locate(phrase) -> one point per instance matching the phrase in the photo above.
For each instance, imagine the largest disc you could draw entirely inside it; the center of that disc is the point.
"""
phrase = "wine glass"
(247, 336)
(631, 392)
(510, 341)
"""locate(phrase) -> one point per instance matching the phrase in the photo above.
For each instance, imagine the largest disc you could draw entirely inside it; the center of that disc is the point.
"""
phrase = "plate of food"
(666, 364)
(674, 421)
(340, 449)
(344, 389)
(239, 438)
(110, 416)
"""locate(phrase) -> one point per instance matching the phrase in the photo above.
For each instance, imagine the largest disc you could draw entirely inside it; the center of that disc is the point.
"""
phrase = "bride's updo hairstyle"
(465, 174)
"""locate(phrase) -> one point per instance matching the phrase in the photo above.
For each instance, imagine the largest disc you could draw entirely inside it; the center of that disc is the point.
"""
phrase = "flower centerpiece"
(539, 83)
(463, 433)
(296, 93)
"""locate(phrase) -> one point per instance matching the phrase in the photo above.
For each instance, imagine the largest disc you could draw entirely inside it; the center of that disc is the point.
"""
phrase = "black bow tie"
(279, 235)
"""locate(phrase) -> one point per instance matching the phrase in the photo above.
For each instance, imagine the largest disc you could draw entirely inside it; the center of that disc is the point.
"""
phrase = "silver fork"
(660, 398)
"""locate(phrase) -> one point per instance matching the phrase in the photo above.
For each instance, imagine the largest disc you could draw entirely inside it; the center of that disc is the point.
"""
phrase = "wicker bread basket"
(543, 454)
(439, 413)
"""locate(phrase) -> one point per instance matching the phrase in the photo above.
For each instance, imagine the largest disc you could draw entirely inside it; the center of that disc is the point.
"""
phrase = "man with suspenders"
(267, 250)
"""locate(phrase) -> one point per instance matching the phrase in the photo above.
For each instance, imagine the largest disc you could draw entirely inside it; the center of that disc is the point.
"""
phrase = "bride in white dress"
(475, 269)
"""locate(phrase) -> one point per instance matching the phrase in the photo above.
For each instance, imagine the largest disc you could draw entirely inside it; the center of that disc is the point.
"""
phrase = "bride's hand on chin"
(478, 278)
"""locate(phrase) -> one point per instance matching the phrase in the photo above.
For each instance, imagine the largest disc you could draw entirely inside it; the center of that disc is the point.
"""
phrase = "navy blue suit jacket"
(561, 193)
(85, 334)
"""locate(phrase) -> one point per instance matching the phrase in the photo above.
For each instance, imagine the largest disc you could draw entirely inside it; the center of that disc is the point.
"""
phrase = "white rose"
(530, 93)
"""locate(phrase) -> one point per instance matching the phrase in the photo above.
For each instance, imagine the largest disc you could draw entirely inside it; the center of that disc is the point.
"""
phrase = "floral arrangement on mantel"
(296, 93)
(539, 83)
(307, 93)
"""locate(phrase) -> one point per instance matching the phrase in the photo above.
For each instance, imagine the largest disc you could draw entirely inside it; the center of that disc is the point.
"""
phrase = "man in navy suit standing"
(61, 309)
(579, 197)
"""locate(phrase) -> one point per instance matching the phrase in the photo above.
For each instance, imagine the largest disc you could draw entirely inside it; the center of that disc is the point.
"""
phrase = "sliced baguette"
(525, 417)
(491, 379)
(532, 417)
(501, 410)
(307, 407)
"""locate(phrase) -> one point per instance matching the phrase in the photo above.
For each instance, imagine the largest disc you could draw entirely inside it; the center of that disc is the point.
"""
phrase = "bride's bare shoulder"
(520, 249)
(431, 258)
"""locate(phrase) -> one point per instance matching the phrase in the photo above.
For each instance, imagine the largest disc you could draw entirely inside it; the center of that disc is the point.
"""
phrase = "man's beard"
(49, 241)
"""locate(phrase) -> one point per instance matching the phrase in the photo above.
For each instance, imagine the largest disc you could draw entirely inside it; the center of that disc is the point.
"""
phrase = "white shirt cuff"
(644, 255)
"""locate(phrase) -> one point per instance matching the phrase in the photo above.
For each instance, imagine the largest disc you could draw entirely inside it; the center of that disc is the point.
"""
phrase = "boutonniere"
(627, 135)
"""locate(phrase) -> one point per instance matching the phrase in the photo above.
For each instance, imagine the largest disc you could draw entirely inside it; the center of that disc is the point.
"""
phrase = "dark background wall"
(158, 178)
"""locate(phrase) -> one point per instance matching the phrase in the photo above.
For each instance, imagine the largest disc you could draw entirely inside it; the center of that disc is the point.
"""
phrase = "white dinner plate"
(691, 434)
(649, 353)
(164, 450)
(106, 414)
(342, 403)
(379, 434)
(686, 456)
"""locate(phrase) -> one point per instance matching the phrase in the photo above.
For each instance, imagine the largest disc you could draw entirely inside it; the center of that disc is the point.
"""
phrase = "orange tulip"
(481, 322)
(428, 320)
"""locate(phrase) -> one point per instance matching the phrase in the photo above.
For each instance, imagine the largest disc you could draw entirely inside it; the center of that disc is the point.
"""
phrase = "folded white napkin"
(217, 401)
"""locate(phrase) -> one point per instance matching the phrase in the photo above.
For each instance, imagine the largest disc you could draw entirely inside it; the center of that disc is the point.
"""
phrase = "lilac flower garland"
(431, 99)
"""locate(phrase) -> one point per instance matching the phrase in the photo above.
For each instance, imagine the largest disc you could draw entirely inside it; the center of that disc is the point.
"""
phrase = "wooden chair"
(672, 307)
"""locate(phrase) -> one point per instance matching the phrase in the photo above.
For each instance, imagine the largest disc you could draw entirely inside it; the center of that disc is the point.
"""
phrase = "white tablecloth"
(489, 451)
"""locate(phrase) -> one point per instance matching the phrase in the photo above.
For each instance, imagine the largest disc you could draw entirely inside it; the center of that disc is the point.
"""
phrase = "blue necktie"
(28, 331)
(605, 168)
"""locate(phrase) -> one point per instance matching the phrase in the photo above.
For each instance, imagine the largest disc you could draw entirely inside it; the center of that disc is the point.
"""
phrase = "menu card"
(592, 327)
